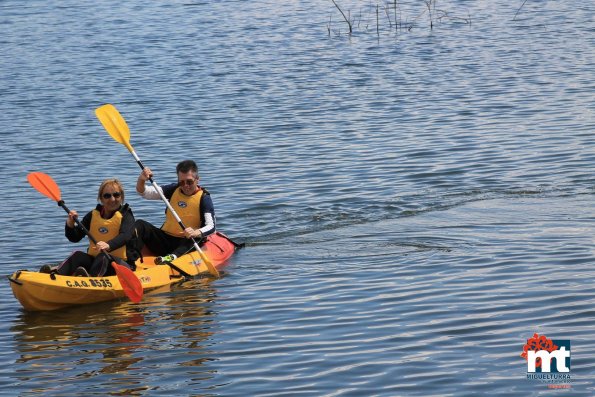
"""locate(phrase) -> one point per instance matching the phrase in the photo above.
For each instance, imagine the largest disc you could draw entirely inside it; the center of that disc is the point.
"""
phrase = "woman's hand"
(102, 246)
(70, 221)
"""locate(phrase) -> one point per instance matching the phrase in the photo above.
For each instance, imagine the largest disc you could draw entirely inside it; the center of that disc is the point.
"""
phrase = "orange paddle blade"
(130, 283)
(45, 185)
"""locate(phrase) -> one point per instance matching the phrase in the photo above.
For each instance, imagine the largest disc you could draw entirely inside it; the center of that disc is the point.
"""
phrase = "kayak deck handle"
(14, 280)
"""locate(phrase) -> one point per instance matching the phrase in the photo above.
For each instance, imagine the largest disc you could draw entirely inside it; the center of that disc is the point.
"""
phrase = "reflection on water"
(112, 344)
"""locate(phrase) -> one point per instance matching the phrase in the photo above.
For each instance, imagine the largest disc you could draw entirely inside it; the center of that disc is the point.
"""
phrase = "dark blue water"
(416, 202)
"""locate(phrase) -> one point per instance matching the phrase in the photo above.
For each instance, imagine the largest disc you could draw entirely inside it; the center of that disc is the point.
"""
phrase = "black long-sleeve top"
(76, 233)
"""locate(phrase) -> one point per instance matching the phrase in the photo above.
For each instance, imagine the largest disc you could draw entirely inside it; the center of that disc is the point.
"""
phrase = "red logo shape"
(537, 343)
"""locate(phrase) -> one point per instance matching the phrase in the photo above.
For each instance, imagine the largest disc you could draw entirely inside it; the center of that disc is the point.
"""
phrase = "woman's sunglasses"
(107, 196)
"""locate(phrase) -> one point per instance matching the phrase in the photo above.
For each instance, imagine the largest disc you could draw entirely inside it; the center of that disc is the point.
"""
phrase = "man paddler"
(190, 201)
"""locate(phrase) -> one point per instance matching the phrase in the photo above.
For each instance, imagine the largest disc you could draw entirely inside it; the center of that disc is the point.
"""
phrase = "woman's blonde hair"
(111, 182)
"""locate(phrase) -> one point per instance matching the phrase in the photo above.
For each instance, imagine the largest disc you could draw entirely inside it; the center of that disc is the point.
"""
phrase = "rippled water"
(416, 202)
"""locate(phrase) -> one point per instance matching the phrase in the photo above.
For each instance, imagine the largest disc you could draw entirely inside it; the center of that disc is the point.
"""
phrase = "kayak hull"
(42, 291)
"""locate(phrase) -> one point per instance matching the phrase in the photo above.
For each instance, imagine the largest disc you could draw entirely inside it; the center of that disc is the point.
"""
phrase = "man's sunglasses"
(187, 182)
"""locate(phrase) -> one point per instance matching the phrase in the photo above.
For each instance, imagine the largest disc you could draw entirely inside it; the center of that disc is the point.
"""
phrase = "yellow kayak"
(42, 291)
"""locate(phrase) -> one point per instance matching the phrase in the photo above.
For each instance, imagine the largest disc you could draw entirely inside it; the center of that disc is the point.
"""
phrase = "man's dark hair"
(187, 165)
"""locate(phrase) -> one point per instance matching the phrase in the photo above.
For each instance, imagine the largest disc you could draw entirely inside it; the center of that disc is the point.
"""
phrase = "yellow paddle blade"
(212, 269)
(114, 124)
(45, 185)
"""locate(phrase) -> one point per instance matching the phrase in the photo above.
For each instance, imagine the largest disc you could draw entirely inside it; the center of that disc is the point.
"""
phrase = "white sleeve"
(151, 193)
(209, 226)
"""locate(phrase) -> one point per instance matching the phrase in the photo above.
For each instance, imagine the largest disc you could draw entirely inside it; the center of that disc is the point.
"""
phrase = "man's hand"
(193, 233)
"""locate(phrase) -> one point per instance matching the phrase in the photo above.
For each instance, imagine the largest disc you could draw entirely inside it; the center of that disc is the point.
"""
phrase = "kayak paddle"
(45, 185)
(116, 126)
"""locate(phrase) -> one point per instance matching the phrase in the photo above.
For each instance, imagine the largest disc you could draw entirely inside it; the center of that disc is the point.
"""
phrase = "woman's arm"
(76, 234)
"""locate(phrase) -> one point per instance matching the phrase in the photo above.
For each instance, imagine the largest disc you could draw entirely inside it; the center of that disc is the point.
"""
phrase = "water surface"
(416, 203)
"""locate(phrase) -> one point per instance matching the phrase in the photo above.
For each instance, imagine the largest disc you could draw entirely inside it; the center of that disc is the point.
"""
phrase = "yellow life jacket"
(187, 208)
(104, 230)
